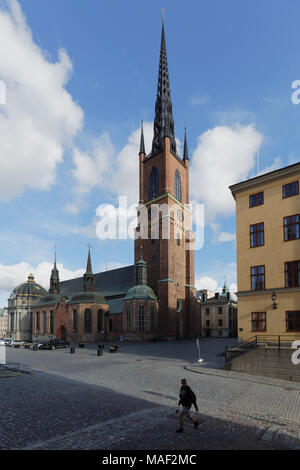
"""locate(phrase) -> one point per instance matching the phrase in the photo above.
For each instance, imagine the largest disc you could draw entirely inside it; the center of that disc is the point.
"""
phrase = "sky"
(79, 78)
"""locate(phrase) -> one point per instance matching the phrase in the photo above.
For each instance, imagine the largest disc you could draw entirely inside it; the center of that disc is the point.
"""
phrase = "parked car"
(52, 344)
(5, 342)
(16, 344)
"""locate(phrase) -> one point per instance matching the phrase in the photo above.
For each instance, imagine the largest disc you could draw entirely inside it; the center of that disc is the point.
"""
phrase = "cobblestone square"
(127, 400)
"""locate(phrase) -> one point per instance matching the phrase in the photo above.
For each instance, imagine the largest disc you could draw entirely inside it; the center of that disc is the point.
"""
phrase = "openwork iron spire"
(163, 121)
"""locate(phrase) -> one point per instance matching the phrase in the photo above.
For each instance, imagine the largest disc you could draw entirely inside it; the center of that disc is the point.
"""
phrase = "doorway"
(62, 333)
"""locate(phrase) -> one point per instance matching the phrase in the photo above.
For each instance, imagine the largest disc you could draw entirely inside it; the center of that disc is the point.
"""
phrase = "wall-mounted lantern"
(274, 305)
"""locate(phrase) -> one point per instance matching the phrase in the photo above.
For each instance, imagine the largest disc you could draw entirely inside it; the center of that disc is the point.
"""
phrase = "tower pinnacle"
(185, 148)
(54, 279)
(142, 143)
(88, 277)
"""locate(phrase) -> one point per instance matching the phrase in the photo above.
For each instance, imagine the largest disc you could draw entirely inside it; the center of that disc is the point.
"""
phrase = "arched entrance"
(62, 333)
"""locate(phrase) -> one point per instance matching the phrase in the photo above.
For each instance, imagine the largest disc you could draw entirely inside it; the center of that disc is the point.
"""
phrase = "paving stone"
(128, 401)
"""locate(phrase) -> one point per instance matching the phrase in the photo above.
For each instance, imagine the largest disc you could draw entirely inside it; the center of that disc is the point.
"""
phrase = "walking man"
(187, 398)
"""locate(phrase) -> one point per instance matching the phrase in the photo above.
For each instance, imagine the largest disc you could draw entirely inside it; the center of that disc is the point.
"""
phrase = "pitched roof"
(108, 283)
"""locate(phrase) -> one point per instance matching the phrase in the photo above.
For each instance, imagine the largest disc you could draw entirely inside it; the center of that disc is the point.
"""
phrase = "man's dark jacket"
(187, 397)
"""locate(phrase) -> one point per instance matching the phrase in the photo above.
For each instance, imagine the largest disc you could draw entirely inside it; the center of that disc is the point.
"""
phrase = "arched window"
(128, 319)
(177, 186)
(141, 318)
(51, 322)
(100, 321)
(87, 321)
(74, 321)
(152, 312)
(37, 322)
(153, 184)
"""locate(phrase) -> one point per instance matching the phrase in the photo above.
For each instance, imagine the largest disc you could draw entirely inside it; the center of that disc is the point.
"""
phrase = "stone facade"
(267, 226)
(3, 322)
(219, 316)
(20, 309)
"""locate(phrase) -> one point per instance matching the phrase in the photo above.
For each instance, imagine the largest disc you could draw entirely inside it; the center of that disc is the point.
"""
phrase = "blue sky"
(69, 128)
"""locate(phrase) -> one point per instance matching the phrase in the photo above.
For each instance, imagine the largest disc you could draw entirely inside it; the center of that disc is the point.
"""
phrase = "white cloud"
(227, 237)
(277, 163)
(39, 118)
(220, 237)
(224, 156)
(92, 169)
(118, 173)
(206, 282)
(198, 100)
(14, 275)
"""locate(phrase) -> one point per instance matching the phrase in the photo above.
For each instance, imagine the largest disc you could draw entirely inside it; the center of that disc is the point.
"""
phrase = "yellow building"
(268, 254)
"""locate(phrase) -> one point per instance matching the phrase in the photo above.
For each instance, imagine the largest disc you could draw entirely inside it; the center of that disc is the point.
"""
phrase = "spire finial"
(142, 142)
(88, 277)
(163, 15)
(185, 148)
(89, 263)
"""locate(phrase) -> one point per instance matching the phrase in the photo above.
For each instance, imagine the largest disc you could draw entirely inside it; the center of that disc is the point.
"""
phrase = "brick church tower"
(164, 183)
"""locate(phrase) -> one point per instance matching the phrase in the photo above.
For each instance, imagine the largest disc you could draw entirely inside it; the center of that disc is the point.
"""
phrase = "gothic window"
(128, 319)
(38, 322)
(153, 184)
(75, 321)
(177, 186)
(152, 318)
(100, 321)
(51, 322)
(87, 321)
(141, 318)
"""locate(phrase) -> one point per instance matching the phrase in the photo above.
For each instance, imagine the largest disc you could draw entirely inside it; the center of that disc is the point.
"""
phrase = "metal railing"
(258, 341)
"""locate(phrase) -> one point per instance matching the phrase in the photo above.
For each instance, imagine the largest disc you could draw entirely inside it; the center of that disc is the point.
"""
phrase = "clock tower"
(165, 239)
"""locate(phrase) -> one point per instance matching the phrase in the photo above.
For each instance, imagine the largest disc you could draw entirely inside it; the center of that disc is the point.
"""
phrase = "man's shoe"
(179, 430)
(196, 424)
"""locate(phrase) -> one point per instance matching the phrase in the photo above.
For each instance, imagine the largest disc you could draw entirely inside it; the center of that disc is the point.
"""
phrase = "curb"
(286, 384)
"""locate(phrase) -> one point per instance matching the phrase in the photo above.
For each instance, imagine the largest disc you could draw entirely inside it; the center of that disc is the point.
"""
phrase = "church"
(155, 299)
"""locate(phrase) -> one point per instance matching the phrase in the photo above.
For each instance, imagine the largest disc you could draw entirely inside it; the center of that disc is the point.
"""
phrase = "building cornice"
(277, 290)
(266, 178)
(156, 200)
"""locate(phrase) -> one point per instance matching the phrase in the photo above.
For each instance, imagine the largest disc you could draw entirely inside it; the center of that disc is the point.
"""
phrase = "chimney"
(217, 295)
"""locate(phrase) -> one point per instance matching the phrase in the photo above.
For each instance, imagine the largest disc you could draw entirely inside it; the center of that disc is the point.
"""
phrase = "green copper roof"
(29, 288)
(140, 292)
(87, 297)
